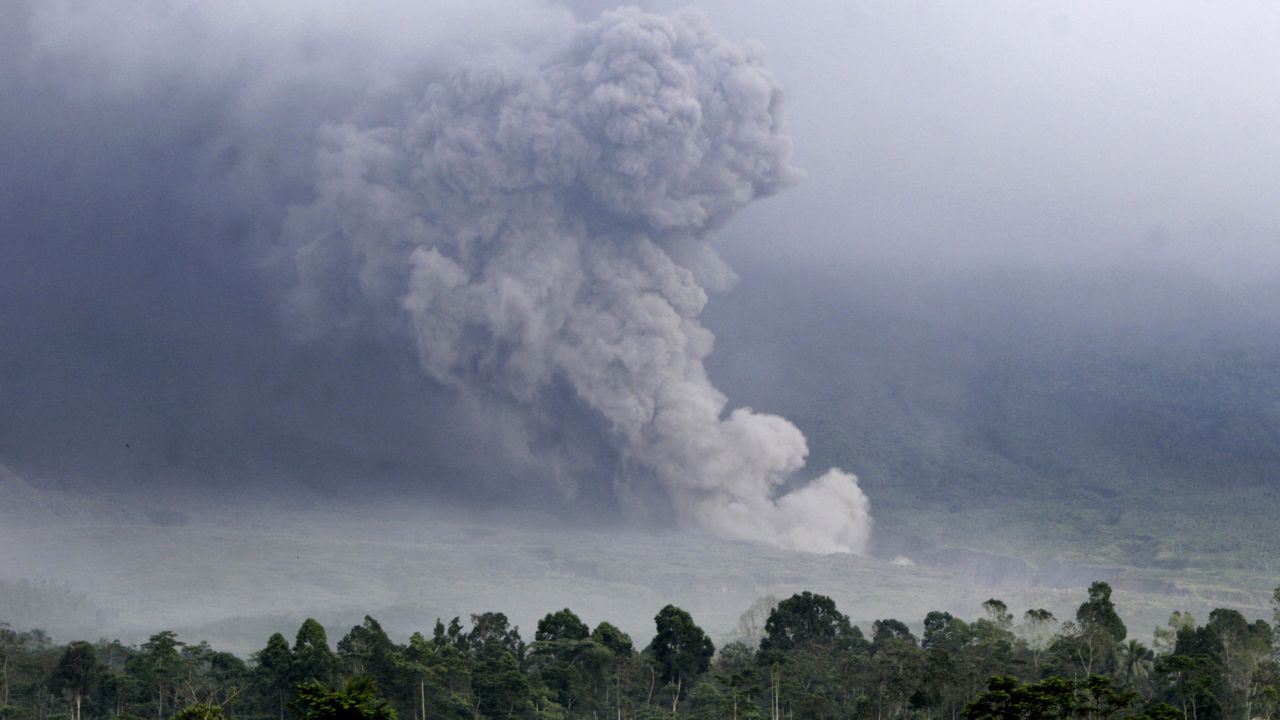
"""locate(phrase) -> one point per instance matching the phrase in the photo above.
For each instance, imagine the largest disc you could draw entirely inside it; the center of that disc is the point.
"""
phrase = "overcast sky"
(150, 157)
(1028, 132)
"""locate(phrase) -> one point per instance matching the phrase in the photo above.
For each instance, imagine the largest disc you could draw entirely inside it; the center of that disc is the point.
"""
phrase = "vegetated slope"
(1125, 419)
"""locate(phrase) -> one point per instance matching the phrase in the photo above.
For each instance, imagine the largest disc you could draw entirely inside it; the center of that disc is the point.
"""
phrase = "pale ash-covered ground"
(234, 580)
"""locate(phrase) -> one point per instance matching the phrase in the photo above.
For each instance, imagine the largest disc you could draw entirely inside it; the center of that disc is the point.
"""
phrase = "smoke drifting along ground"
(541, 227)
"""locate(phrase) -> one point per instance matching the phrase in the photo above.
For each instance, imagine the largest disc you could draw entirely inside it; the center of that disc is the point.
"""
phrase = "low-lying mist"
(233, 580)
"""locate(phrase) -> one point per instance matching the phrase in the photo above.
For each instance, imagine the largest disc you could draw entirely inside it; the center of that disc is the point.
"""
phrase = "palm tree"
(1136, 661)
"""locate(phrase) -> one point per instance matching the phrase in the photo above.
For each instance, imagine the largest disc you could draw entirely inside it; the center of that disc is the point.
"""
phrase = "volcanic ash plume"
(542, 223)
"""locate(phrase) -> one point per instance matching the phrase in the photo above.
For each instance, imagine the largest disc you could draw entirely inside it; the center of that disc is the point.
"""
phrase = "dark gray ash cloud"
(233, 236)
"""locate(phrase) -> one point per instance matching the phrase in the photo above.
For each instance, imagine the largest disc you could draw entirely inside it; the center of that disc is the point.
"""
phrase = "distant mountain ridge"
(16, 496)
(21, 503)
(1129, 418)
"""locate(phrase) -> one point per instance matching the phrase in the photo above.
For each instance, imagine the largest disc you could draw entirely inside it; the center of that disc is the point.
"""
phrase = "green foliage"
(78, 669)
(273, 674)
(562, 625)
(998, 612)
(491, 633)
(680, 648)
(366, 650)
(616, 641)
(1098, 613)
(354, 701)
(158, 667)
(200, 712)
(1093, 698)
(944, 632)
(887, 632)
(810, 662)
(500, 687)
(11, 646)
(802, 619)
(312, 657)
(76, 674)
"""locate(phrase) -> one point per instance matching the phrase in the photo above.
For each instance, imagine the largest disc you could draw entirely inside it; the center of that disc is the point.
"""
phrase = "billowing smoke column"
(541, 223)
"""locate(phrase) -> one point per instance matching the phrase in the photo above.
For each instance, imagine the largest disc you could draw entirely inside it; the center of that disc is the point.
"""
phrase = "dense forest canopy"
(797, 658)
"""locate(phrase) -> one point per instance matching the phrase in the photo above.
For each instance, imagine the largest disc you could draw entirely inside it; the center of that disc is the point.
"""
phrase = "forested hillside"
(1127, 417)
(798, 658)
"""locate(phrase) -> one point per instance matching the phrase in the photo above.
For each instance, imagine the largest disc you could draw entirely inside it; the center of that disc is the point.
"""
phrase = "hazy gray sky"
(1027, 132)
(151, 156)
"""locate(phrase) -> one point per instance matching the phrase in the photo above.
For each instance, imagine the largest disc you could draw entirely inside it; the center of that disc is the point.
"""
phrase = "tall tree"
(1192, 674)
(1166, 638)
(442, 669)
(680, 649)
(158, 666)
(617, 642)
(945, 680)
(1244, 647)
(211, 677)
(998, 613)
(367, 650)
(34, 671)
(802, 619)
(1036, 631)
(11, 643)
(1091, 641)
(1134, 664)
(571, 665)
(561, 625)
(491, 632)
(499, 686)
(736, 675)
(942, 631)
(1098, 613)
(888, 630)
(313, 659)
(77, 674)
(274, 674)
(1275, 607)
(897, 666)
(621, 651)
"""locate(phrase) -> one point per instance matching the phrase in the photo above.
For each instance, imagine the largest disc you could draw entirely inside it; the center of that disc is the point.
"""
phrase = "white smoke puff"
(533, 220)
(828, 515)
